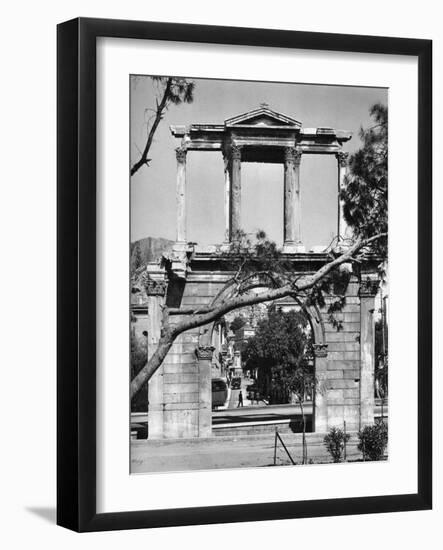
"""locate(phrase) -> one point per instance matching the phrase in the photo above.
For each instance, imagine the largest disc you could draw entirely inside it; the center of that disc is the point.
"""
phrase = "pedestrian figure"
(240, 400)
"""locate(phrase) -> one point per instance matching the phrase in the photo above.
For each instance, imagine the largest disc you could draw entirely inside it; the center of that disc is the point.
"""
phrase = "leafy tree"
(380, 340)
(171, 90)
(238, 322)
(279, 350)
(303, 383)
(381, 357)
(365, 193)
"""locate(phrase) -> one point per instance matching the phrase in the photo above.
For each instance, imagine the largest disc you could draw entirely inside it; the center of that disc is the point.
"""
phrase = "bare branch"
(158, 116)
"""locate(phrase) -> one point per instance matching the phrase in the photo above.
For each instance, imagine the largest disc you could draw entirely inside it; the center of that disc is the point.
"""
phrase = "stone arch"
(315, 320)
(312, 313)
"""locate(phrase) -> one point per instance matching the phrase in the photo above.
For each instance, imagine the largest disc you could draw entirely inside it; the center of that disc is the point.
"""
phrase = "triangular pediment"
(263, 117)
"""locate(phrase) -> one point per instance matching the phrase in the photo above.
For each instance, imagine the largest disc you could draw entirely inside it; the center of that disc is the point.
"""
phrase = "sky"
(153, 187)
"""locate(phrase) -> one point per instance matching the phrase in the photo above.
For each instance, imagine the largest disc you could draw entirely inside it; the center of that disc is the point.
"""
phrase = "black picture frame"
(76, 295)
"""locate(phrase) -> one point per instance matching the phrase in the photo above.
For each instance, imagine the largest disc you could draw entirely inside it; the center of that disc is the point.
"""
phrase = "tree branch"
(158, 116)
(169, 333)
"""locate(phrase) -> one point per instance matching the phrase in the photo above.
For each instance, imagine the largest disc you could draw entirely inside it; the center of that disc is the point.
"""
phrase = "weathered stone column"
(343, 230)
(156, 292)
(368, 290)
(227, 162)
(321, 395)
(204, 356)
(181, 194)
(235, 190)
(292, 206)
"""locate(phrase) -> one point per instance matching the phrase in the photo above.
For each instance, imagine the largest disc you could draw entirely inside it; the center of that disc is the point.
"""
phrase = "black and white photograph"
(258, 308)
(224, 221)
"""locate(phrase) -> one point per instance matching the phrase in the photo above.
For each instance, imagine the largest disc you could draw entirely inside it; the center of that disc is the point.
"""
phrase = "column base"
(180, 246)
(179, 264)
(291, 247)
(225, 246)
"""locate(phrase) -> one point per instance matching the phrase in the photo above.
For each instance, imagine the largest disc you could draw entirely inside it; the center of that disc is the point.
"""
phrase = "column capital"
(204, 352)
(342, 158)
(155, 288)
(292, 155)
(236, 152)
(320, 350)
(369, 287)
(180, 153)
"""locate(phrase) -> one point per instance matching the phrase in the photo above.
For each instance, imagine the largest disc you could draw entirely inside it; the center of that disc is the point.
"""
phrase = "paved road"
(233, 401)
(253, 411)
(258, 414)
(225, 452)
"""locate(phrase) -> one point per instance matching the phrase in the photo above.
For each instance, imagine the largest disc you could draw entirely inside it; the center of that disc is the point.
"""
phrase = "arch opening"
(247, 343)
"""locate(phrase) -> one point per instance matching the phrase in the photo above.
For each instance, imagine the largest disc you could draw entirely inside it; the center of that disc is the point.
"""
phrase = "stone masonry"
(180, 392)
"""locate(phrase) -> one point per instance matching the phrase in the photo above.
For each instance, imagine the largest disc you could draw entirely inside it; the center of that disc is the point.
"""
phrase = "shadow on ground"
(46, 513)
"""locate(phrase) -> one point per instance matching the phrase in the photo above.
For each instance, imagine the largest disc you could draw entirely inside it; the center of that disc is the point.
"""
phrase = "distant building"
(242, 335)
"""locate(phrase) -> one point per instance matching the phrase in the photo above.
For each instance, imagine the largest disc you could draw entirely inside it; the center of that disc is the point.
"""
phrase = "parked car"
(219, 392)
(236, 383)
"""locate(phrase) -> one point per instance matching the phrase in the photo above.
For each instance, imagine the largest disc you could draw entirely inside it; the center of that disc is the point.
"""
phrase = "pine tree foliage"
(365, 193)
(170, 90)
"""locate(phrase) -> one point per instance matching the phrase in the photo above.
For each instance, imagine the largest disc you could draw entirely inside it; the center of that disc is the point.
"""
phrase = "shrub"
(335, 443)
(373, 441)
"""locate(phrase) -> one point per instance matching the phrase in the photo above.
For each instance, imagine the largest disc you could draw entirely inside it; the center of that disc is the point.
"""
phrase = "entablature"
(258, 130)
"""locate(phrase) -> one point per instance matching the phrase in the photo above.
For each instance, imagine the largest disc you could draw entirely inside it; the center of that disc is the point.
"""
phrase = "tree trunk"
(164, 345)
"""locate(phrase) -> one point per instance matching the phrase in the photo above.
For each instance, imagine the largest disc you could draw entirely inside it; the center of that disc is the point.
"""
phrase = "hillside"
(151, 250)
